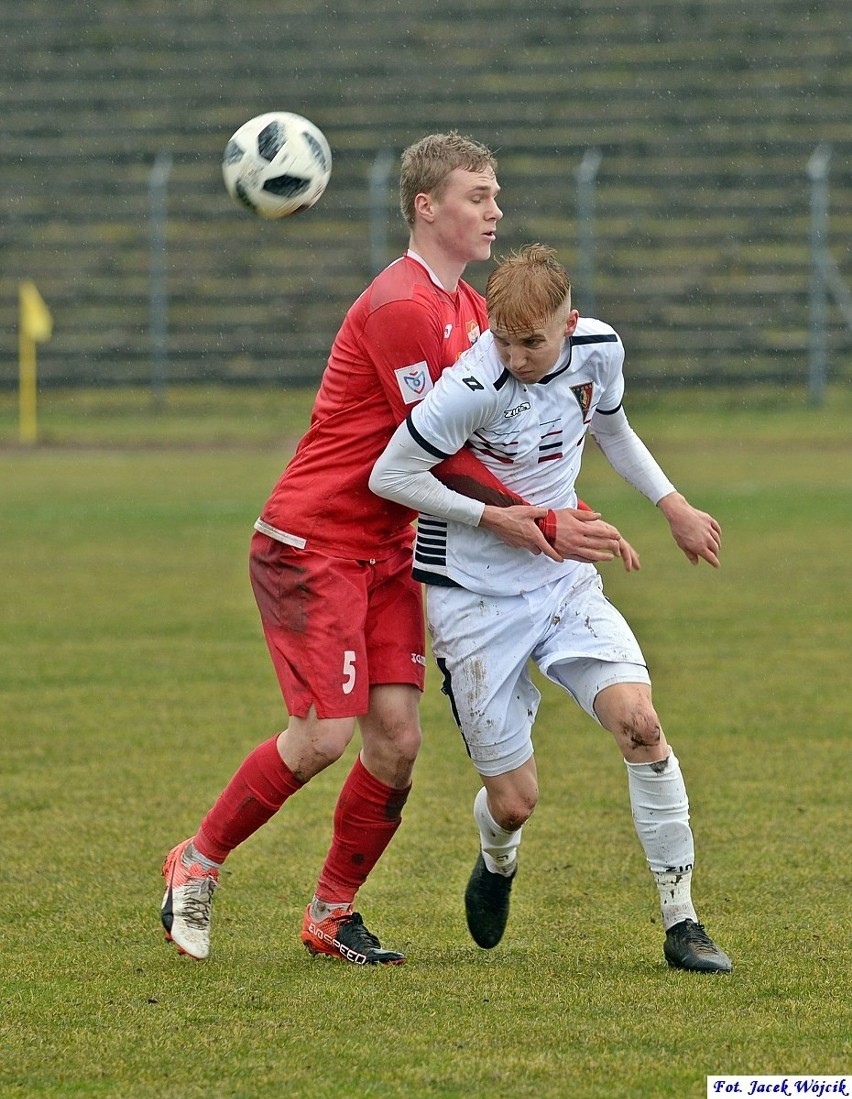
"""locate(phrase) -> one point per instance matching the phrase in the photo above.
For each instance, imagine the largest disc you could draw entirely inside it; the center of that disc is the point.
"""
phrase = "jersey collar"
(562, 365)
(419, 259)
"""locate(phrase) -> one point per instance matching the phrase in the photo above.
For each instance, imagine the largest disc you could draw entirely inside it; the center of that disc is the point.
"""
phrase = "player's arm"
(577, 534)
(405, 341)
(695, 532)
(403, 473)
(404, 332)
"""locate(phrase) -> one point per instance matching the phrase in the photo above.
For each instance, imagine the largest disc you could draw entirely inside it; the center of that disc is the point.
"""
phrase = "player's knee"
(399, 739)
(391, 729)
(515, 808)
(645, 730)
(639, 731)
(311, 744)
(404, 741)
(517, 817)
(629, 714)
(327, 749)
(390, 751)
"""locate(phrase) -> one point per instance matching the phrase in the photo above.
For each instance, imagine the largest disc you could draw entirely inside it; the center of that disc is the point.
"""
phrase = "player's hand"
(516, 526)
(697, 533)
(629, 556)
(583, 536)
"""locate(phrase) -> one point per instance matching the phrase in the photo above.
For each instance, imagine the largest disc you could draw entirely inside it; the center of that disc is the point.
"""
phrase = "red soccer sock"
(366, 816)
(261, 785)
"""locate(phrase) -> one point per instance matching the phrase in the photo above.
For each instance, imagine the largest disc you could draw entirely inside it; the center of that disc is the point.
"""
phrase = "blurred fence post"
(158, 187)
(818, 320)
(826, 277)
(587, 174)
(379, 189)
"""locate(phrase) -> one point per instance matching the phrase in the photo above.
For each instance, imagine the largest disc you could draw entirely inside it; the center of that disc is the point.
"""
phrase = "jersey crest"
(583, 393)
(473, 332)
(414, 381)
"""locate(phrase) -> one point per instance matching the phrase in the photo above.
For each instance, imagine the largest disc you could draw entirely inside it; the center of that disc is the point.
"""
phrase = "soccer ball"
(277, 164)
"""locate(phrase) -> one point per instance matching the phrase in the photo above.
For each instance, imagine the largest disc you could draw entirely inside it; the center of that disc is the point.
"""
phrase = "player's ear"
(424, 207)
(571, 322)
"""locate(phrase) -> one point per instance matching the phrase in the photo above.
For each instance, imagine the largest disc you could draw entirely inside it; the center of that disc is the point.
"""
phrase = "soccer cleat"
(186, 905)
(343, 935)
(688, 946)
(486, 902)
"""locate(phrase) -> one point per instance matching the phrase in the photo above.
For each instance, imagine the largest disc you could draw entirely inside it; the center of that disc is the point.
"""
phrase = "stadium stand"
(705, 113)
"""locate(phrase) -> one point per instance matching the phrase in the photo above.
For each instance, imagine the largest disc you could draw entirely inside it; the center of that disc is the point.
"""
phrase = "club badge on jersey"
(414, 381)
(583, 393)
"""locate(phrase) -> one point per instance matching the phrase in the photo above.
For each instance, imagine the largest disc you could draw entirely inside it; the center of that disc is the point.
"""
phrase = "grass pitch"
(135, 678)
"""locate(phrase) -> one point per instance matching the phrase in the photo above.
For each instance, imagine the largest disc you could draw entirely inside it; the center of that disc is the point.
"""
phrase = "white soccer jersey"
(531, 436)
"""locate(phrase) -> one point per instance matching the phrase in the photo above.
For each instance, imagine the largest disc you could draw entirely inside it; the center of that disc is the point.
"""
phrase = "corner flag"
(35, 325)
(36, 321)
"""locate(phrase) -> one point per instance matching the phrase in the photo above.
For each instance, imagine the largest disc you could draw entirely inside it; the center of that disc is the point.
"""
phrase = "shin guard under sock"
(366, 817)
(499, 847)
(661, 816)
(261, 785)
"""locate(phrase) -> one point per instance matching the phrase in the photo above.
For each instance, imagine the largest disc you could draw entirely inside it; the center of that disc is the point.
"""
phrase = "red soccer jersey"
(395, 341)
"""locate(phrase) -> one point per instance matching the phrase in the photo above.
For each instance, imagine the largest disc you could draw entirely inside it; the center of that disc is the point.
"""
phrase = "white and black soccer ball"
(277, 164)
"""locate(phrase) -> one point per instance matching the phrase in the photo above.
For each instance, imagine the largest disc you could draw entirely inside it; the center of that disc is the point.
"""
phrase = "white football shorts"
(483, 645)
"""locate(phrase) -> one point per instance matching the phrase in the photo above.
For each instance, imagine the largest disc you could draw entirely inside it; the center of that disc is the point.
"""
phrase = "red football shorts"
(335, 627)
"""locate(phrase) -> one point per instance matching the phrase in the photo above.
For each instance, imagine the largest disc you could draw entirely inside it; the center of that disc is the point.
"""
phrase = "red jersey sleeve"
(464, 473)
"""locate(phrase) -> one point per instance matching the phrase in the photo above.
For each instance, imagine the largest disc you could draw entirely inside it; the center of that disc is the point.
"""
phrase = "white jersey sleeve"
(628, 455)
(403, 474)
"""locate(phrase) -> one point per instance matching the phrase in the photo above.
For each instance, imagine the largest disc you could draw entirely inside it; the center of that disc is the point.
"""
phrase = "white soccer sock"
(191, 854)
(661, 816)
(321, 910)
(499, 847)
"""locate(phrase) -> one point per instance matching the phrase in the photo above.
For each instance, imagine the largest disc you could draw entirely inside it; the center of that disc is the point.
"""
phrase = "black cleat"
(343, 935)
(486, 903)
(688, 946)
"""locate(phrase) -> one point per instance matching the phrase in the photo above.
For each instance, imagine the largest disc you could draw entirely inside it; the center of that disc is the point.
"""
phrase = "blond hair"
(527, 289)
(428, 162)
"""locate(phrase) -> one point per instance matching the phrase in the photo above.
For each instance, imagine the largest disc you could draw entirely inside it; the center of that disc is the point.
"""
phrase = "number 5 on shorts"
(348, 671)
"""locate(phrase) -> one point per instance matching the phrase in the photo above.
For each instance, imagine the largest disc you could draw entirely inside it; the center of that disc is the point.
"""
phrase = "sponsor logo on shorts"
(414, 381)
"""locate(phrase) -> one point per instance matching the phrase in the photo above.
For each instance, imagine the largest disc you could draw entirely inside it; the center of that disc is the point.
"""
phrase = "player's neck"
(445, 269)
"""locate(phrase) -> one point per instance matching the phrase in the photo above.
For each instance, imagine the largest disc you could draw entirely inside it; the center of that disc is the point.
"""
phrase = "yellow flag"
(36, 321)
